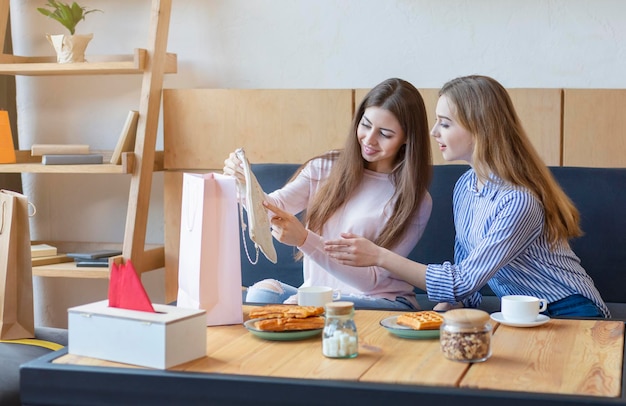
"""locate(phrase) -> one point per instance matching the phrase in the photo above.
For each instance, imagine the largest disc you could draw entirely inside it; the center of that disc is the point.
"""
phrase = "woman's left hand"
(286, 227)
(443, 306)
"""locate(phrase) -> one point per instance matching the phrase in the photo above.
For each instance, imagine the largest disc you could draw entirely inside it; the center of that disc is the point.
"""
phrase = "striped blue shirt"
(500, 242)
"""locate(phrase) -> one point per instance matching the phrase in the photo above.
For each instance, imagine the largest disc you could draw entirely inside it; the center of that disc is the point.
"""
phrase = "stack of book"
(98, 258)
(65, 154)
(44, 254)
(42, 250)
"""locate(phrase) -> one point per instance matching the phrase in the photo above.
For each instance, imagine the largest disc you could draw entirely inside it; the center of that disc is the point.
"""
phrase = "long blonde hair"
(502, 148)
(413, 166)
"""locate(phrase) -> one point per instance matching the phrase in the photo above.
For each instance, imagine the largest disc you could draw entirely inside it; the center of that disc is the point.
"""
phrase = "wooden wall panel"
(594, 126)
(202, 126)
(539, 110)
(540, 113)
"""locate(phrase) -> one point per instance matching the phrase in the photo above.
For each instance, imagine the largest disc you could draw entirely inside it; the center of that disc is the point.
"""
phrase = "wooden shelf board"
(39, 168)
(70, 270)
(95, 65)
(32, 164)
(153, 254)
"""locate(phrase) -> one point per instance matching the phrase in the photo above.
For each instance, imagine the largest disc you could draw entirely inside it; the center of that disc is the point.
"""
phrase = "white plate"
(541, 319)
(391, 324)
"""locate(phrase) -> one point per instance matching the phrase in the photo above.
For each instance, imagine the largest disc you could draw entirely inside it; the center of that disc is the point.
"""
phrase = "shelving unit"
(153, 63)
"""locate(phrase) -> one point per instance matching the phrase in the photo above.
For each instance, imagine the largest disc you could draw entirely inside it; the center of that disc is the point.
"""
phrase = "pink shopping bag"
(209, 267)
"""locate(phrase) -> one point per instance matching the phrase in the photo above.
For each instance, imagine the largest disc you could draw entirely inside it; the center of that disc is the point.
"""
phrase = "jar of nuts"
(466, 335)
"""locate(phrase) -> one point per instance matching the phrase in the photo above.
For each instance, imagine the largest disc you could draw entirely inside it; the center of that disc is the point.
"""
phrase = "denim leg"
(364, 302)
(269, 291)
(574, 305)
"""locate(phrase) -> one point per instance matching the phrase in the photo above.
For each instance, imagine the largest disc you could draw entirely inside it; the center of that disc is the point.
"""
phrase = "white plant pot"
(69, 48)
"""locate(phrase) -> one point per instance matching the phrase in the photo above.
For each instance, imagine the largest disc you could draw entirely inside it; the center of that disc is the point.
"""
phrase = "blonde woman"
(513, 222)
(376, 186)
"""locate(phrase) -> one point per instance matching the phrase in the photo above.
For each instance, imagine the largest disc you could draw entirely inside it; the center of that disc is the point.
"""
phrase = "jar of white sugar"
(340, 339)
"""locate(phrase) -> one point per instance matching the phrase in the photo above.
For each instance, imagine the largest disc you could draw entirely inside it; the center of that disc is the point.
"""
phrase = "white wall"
(281, 44)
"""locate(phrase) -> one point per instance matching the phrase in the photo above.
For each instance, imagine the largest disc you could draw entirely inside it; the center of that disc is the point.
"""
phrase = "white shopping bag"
(209, 267)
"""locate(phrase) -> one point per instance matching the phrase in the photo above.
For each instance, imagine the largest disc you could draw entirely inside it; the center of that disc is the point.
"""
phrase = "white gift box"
(169, 337)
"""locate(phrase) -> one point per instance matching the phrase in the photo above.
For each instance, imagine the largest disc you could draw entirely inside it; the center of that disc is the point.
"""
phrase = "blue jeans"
(573, 306)
(273, 291)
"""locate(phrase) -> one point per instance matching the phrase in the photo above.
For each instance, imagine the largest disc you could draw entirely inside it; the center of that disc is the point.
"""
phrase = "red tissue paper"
(126, 290)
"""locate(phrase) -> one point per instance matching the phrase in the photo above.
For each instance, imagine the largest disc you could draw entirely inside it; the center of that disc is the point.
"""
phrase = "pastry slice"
(290, 324)
(301, 312)
(423, 320)
(267, 312)
(284, 311)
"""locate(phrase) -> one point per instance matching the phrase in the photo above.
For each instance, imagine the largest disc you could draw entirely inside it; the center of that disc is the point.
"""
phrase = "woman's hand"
(286, 227)
(353, 250)
(234, 167)
(443, 306)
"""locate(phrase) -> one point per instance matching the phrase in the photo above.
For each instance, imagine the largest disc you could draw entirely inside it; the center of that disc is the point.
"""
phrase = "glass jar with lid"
(465, 335)
(339, 338)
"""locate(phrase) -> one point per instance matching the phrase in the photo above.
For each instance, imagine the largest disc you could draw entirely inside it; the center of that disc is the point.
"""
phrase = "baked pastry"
(423, 320)
(275, 311)
(283, 317)
(290, 324)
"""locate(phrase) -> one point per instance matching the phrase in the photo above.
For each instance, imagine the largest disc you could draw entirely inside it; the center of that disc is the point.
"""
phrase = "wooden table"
(565, 361)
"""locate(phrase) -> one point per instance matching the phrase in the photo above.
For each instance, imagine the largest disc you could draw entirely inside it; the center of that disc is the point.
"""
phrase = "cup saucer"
(541, 319)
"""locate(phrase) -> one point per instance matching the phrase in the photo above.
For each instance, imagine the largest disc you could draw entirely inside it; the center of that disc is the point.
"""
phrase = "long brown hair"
(413, 167)
(502, 148)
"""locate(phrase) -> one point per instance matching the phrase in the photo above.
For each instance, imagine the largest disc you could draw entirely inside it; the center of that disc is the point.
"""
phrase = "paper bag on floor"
(209, 268)
(17, 318)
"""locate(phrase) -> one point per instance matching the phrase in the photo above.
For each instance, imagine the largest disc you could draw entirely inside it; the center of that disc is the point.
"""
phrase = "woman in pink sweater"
(376, 186)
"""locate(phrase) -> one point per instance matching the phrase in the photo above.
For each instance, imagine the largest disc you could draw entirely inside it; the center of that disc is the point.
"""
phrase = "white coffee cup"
(317, 295)
(522, 309)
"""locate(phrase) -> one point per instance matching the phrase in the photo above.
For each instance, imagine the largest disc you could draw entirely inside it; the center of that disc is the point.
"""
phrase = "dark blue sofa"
(598, 193)
(12, 355)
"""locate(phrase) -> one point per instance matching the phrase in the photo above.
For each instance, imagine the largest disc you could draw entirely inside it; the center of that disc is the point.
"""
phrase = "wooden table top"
(563, 356)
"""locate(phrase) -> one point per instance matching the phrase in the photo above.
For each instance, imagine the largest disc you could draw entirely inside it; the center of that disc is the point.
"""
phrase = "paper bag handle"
(4, 205)
(243, 235)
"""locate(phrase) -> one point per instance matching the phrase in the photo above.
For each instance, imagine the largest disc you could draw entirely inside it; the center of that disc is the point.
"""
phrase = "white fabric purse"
(258, 220)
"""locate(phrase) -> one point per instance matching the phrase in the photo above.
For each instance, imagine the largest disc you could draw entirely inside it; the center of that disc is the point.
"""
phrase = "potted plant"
(69, 48)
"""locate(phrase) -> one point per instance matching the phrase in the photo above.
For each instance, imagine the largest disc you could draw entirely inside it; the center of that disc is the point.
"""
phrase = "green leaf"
(68, 15)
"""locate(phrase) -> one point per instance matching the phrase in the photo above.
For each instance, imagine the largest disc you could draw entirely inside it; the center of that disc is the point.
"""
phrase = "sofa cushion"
(600, 196)
(12, 355)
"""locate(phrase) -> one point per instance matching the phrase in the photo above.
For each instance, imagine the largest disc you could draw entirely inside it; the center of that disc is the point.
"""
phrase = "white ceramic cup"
(522, 309)
(317, 295)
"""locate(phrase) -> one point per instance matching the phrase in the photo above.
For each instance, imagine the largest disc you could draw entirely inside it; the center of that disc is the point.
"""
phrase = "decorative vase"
(69, 48)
